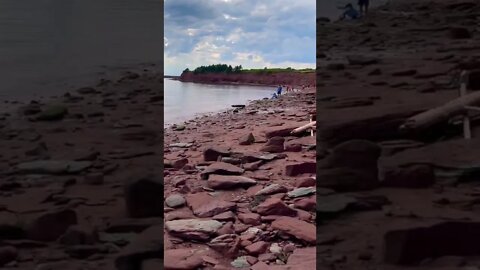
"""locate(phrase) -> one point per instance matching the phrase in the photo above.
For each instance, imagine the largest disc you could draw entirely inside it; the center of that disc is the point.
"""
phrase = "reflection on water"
(48, 44)
(185, 100)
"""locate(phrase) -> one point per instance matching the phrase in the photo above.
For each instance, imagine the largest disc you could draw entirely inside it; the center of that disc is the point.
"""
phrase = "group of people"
(278, 93)
(351, 13)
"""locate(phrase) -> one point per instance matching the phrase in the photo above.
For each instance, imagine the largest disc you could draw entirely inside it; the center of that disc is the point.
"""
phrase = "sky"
(251, 33)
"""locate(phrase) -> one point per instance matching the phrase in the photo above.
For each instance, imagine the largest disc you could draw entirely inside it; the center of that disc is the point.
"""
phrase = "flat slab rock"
(53, 166)
(299, 229)
(221, 168)
(193, 229)
(203, 205)
(229, 182)
(182, 259)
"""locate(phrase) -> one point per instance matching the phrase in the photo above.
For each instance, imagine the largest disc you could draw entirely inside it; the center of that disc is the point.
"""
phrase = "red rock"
(307, 204)
(297, 228)
(272, 189)
(227, 244)
(249, 218)
(227, 216)
(279, 132)
(204, 205)
(182, 259)
(303, 258)
(227, 228)
(245, 243)
(180, 163)
(300, 168)
(305, 182)
(229, 182)
(221, 168)
(293, 147)
(257, 248)
(213, 153)
(303, 215)
(275, 206)
(247, 139)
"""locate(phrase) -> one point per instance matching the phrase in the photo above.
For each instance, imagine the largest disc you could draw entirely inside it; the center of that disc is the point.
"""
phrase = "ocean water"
(47, 46)
(184, 101)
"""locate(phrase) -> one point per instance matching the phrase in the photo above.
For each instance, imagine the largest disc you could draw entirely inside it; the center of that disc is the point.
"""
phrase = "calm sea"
(184, 101)
(47, 46)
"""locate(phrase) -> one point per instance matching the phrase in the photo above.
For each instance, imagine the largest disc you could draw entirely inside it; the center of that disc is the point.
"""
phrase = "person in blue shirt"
(279, 90)
(350, 13)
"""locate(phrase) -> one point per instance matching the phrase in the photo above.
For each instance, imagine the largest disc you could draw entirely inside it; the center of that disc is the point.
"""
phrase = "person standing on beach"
(279, 90)
(363, 5)
(350, 12)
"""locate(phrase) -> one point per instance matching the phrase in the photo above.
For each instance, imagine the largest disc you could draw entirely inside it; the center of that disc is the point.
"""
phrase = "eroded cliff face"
(287, 78)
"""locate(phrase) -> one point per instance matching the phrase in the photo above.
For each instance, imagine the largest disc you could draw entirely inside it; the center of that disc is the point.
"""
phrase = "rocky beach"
(397, 198)
(82, 184)
(70, 167)
(240, 188)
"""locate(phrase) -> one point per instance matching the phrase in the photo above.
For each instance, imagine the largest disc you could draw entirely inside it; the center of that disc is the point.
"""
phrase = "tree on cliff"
(218, 68)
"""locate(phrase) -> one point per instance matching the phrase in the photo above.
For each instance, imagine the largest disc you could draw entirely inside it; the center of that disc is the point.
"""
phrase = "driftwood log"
(442, 113)
(304, 127)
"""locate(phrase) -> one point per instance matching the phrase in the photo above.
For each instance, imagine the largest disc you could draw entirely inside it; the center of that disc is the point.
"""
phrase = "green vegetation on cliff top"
(223, 68)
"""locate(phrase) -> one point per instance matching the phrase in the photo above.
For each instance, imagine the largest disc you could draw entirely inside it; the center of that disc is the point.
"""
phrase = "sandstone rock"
(175, 200)
(413, 176)
(279, 132)
(305, 182)
(300, 168)
(301, 192)
(222, 169)
(227, 244)
(51, 225)
(412, 245)
(257, 248)
(275, 206)
(247, 139)
(272, 189)
(225, 216)
(193, 229)
(249, 218)
(142, 196)
(203, 205)
(147, 245)
(307, 204)
(229, 182)
(182, 259)
(180, 163)
(213, 153)
(299, 229)
(293, 147)
(303, 258)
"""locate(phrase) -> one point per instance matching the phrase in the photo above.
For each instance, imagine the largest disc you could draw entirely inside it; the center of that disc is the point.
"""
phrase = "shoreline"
(224, 132)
